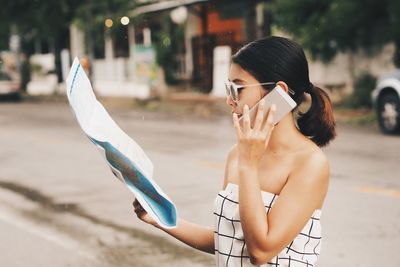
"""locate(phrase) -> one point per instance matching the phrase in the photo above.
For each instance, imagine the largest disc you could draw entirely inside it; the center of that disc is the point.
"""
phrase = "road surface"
(61, 206)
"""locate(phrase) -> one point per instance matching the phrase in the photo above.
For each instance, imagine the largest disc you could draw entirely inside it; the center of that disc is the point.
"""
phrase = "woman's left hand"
(252, 141)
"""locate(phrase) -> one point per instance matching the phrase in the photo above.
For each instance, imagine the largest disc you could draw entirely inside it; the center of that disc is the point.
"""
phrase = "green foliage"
(169, 42)
(164, 56)
(329, 26)
(361, 96)
(37, 19)
(4, 33)
(100, 10)
(25, 74)
(48, 21)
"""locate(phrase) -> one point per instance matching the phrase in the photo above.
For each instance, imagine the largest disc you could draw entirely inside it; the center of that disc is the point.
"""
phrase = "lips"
(238, 114)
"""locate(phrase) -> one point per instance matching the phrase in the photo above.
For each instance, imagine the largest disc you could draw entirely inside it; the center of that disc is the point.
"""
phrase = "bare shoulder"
(312, 167)
(313, 156)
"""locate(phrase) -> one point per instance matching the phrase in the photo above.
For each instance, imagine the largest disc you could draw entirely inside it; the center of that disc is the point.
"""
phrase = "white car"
(386, 101)
(8, 87)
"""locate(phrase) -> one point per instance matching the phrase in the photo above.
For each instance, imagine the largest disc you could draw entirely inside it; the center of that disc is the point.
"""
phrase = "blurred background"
(159, 68)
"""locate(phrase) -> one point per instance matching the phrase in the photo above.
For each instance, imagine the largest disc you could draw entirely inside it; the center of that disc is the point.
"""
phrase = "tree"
(48, 21)
(37, 22)
(330, 26)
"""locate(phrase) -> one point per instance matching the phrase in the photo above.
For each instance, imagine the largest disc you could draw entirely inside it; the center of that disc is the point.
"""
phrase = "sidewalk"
(176, 104)
(203, 106)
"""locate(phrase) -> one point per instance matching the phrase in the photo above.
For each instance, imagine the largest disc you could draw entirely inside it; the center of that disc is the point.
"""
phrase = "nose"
(229, 101)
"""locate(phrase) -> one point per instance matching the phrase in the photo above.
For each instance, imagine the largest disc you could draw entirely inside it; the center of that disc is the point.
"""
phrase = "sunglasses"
(232, 89)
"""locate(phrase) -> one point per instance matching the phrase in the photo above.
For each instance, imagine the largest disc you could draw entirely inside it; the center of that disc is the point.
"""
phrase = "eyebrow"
(238, 80)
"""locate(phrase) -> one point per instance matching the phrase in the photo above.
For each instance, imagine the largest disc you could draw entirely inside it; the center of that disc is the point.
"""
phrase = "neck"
(285, 135)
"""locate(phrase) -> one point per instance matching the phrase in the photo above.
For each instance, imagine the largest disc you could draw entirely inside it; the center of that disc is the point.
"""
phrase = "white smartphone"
(283, 102)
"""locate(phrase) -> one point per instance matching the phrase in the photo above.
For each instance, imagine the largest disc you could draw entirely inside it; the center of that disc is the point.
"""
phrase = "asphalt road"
(61, 206)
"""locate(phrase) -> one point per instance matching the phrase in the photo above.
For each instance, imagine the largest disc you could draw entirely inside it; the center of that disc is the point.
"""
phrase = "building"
(182, 35)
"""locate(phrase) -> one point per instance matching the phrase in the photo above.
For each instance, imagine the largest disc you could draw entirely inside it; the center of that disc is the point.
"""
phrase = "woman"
(276, 177)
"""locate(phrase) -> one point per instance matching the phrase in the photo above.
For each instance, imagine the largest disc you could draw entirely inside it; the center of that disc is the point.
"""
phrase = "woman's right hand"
(198, 237)
(142, 214)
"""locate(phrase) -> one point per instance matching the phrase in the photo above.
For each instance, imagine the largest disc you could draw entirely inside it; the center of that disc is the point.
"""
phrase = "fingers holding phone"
(259, 120)
(254, 128)
(284, 104)
(252, 141)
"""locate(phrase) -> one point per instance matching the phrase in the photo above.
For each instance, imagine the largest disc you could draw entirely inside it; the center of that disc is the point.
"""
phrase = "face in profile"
(247, 95)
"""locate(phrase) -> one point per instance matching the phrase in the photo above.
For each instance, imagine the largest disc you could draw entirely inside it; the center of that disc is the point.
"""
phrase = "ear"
(284, 86)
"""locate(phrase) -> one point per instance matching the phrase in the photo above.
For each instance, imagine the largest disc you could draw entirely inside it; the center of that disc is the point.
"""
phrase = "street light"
(109, 23)
(179, 15)
(125, 20)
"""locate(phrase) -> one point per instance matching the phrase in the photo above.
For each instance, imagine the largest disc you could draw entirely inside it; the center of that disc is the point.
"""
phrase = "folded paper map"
(125, 157)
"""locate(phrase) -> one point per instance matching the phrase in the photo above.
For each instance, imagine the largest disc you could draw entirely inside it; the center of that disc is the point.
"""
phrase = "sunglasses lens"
(230, 91)
(233, 92)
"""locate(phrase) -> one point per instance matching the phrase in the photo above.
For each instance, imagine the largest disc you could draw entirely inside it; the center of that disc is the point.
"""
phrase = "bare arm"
(196, 236)
(266, 235)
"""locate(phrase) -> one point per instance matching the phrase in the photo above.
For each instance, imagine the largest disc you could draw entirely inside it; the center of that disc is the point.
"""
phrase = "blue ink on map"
(73, 80)
(134, 178)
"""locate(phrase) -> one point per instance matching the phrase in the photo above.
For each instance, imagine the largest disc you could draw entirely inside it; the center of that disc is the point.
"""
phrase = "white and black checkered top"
(230, 246)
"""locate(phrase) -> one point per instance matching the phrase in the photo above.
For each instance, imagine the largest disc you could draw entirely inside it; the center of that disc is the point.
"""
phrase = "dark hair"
(274, 59)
